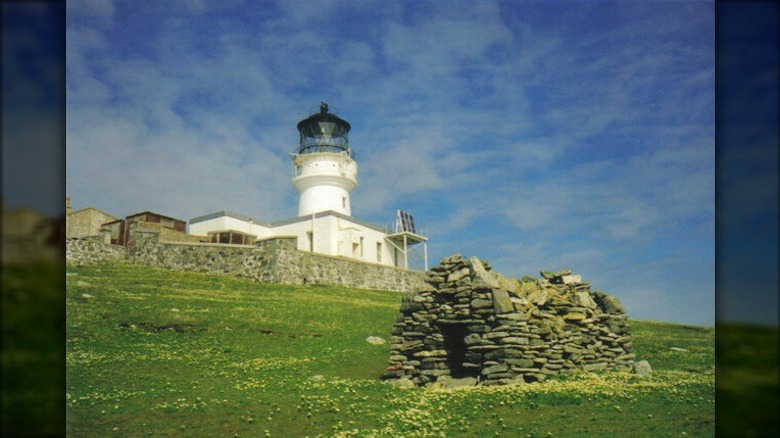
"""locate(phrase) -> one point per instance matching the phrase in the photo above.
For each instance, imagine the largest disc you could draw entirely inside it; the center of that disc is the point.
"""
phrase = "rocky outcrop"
(471, 324)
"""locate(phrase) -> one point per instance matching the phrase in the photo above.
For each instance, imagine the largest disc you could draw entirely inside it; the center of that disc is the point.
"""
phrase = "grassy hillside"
(152, 352)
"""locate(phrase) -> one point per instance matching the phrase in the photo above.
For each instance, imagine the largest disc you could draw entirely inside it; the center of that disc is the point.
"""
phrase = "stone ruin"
(471, 325)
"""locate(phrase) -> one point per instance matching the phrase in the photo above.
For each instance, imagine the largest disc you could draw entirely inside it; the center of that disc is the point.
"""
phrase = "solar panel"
(404, 222)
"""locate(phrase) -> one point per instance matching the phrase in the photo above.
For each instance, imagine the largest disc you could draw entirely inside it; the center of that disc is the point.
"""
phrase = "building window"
(379, 252)
(310, 237)
(361, 247)
(344, 202)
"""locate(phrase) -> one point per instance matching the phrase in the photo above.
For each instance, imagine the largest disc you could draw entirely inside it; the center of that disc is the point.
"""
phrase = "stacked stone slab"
(473, 324)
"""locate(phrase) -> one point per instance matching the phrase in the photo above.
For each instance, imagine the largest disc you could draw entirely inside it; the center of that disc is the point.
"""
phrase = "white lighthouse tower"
(324, 171)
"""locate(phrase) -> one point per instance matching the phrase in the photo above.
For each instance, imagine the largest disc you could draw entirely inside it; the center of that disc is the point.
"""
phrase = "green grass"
(245, 359)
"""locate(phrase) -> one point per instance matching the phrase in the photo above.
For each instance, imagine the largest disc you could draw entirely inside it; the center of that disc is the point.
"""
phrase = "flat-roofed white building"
(326, 232)
(324, 173)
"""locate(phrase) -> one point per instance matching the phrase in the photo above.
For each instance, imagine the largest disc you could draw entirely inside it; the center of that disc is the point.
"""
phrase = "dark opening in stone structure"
(455, 346)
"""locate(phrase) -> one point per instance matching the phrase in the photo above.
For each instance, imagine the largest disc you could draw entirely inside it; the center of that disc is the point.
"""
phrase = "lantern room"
(324, 132)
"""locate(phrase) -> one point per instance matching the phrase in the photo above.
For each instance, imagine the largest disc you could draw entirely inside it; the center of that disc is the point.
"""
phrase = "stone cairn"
(470, 325)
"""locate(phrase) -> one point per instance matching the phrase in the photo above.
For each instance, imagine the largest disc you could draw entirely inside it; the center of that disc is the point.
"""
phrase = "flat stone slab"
(571, 279)
(501, 302)
(445, 382)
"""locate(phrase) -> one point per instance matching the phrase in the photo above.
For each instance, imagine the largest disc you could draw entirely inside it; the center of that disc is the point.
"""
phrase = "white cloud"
(573, 140)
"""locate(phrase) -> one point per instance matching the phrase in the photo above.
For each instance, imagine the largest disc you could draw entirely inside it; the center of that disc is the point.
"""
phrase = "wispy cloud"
(527, 131)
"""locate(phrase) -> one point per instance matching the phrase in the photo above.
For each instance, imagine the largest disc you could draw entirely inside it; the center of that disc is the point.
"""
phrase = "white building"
(324, 173)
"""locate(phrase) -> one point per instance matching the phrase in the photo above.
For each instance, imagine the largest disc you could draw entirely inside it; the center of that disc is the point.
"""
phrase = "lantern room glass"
(324, 132)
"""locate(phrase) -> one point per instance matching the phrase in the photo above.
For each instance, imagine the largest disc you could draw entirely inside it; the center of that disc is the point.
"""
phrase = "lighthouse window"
(344, 202)
(379, 252)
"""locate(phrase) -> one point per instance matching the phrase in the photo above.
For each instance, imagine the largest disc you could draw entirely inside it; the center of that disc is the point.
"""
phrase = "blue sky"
(535, 135)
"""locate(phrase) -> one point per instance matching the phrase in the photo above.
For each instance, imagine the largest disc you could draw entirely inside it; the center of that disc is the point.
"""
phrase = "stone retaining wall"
(275, 260)
(298, 267)
(470, 325)
(91, 250)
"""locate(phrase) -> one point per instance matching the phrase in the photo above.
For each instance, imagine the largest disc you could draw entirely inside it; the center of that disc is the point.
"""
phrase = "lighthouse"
(324, 170)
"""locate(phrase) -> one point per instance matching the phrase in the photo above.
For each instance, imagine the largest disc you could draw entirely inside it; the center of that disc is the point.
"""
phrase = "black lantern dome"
(324, 132)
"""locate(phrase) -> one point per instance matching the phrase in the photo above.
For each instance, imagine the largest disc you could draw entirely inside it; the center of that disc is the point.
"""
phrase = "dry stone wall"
(297, 267)
(470, 325)
(274, 260)
(91, 250)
